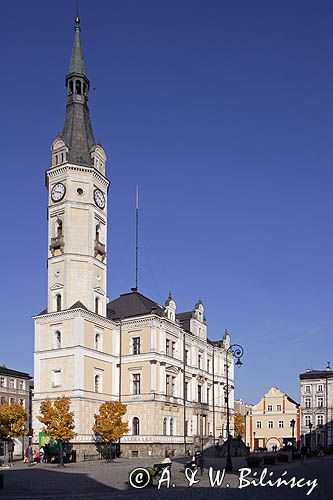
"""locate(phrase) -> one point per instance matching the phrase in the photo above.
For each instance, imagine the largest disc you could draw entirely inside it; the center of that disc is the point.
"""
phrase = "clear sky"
(222, 112)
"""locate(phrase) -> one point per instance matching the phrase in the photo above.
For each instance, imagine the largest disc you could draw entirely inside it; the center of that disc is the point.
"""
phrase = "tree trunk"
(62, 454)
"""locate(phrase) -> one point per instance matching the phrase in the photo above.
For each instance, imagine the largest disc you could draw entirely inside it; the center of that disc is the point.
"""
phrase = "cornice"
(75, 313)
(64, 169)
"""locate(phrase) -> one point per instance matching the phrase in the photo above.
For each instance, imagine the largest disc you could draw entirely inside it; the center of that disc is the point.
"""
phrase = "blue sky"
(222, 112)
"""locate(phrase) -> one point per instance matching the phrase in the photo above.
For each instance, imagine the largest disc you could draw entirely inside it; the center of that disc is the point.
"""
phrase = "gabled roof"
(132, 304)
(78, 305)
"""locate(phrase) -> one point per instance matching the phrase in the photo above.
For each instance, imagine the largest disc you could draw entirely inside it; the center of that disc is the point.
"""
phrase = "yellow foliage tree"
(13, 421)
(108, 422)
(58, 420)
(239, 425)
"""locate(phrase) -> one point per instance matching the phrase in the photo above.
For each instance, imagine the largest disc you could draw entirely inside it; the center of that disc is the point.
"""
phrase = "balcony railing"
(57, 243)
(100, 249)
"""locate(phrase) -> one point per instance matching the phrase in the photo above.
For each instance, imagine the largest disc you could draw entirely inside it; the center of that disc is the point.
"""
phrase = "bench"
(159, 468)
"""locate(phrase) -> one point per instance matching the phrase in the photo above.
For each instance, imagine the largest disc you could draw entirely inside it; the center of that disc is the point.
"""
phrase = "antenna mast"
(136, 238)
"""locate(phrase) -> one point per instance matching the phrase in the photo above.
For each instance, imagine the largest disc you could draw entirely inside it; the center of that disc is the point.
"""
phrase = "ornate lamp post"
(292, 425)
(254, 440)
(237, 351)
(310, 427)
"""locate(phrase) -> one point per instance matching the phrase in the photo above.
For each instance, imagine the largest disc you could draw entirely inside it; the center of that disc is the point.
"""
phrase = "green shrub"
(282, 457)
(269, 460)
(253, 461)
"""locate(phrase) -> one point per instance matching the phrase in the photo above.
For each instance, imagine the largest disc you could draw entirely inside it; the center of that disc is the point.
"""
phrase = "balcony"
(57, 243)
(100, 249)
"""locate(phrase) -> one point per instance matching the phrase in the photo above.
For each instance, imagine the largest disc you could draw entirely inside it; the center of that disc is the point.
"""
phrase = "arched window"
(71, 87)
(56, 159)
(98, 341)
(58, 299)
(136, 426)
(84, 89)
(78, 87)
(57, 340)
(171, 426)
(96, 304)
(59, 228)
(164, 427)
(97, 383)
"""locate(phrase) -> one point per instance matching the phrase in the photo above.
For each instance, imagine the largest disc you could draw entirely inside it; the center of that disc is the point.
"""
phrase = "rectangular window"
(281, 424)
(12, 383)
(208, 365)
(278, 408)
(258, 425)
(186, 357)
(136, 345)
(269, 407)
(168, 385)
(200, 361)
(186, 391)
(167, 347)
(136, 384)
(307, 420)
(56, 378)
(320, 388)
(2, 381)
(173, 386)
(270, 424)
(199, 393)
(320, 402)
(320, 419)
(307, 403)
(173, 349)
(21, 385)
(208, 395)
(307, 388)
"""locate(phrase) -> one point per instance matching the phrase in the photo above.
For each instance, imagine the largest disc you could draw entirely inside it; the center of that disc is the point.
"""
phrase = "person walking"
(30, 455)
(304, 454)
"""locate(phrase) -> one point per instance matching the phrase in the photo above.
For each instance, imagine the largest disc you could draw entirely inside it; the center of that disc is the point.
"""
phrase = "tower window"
(78, 87)
(97, 233)
(164, 426)
(97, 383)
(57, 340)
(96, 305)
(59, 228)
(56, 159)
(98, 341)
(71, 87)
(58, 299)
(62, 157)
(136, 426)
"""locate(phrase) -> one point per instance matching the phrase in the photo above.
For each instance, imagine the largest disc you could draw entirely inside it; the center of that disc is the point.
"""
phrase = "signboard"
(54, 446)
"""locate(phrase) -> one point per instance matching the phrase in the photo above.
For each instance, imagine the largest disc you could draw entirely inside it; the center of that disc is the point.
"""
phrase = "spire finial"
(77, 19)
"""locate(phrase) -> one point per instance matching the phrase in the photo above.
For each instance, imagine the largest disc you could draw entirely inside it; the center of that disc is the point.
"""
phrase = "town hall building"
(153, 358)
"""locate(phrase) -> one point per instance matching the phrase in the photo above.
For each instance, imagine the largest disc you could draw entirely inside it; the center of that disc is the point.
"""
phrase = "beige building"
(268, 422)
(153, 358)
(15, 388)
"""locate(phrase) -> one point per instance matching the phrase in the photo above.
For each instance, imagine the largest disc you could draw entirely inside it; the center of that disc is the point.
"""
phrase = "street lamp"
(237, 351)
(310, 427)
(292, 425)
(254, 440)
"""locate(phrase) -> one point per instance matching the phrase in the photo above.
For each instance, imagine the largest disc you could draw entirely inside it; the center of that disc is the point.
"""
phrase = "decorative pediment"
(56, 286)
(172, 369)
(99, 290)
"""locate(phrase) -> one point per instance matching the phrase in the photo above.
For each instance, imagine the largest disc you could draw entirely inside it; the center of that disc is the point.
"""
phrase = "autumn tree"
(58, 420)
(239, 425)
(109, 425)
(13, 421)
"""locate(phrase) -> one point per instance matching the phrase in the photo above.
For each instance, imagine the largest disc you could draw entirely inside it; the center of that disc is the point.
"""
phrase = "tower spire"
(78, 132)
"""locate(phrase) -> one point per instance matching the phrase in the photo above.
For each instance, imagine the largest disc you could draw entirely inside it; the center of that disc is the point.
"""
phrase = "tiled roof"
(132, 304)
(13, 373)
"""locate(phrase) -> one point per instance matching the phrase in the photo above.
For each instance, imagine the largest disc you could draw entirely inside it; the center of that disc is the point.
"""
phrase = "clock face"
(99, 198)
(58, 192)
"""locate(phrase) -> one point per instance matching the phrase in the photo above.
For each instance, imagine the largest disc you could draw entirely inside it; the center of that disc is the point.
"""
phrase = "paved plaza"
(101, 480)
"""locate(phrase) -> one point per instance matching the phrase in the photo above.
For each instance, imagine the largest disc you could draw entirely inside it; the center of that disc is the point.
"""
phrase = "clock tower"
(77, 202)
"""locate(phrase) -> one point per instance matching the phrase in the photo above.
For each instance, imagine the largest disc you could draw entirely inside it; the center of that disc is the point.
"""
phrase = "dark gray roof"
(78, 133)
(313, 374)
(184, 319)
(77, 64)
(132, 304)
(78, 305)
(13, 373)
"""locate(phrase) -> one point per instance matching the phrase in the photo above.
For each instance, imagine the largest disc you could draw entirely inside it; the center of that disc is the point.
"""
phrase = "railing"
(156, 439)
(100, 249)
(57, 243)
